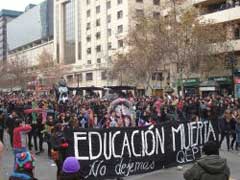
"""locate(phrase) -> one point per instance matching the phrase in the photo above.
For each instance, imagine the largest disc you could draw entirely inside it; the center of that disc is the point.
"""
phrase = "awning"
(88, 88)
(222, 80)
(121, 87)
(191, 82)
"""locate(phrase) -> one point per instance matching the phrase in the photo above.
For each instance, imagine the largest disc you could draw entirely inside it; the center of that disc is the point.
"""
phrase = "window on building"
(88, 38)
(88, 13)
(98, 48)
(70, 78)
(89, 76)
(89, 62)
(139, 12)
(156, 2)
(139, 1)
(109, 18)
(79, 77)
(119, 1)
(157, 76)
(88, 2)
(120, 14)
(109, 45)
(237, 32)
(88, 26)
(98, 35)
(89, 50)
(98, 22)
(98, 9)
(120, 43)
(109, 32)
(98, 60)
(120, 29)
(156, 15)
(108, 4)
(104, 75)
(80, 50)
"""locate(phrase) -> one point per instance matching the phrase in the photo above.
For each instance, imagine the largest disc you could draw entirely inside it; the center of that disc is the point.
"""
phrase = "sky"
(18, 5)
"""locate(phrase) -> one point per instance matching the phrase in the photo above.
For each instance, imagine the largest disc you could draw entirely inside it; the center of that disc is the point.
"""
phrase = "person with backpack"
(210, 167)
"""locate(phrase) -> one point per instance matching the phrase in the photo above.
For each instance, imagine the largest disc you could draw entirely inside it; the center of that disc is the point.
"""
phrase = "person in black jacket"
(68, 134)
(2, 125)
(59, 146)
(225, 127)
(10, 125)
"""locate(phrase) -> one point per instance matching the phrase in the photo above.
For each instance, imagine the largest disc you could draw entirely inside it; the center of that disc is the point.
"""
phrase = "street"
(45, 169)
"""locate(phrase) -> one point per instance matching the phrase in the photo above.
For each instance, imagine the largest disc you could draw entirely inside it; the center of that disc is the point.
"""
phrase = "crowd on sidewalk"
(43, 119)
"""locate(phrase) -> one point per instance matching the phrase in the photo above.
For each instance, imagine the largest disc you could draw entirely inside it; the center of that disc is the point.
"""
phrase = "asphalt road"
(46, 171)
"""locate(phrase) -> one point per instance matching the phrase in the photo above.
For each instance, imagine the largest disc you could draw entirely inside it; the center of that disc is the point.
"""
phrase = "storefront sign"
(207, 88)
(121, 152)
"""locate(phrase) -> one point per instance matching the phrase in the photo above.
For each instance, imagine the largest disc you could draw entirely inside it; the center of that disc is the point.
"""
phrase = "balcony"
(205, 2)
(222, 16)
(229, 46)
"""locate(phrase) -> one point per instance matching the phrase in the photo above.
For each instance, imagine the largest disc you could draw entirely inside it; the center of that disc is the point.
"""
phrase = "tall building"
(226, 12)
(32, 27)
(31, 32)
(87, 33)
(5, 17)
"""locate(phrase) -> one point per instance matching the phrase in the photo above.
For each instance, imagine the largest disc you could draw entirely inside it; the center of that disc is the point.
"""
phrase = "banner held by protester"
(107, 153)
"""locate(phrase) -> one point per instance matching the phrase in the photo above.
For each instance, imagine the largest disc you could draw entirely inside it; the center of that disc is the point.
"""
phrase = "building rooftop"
(29, 6)
(11, 13)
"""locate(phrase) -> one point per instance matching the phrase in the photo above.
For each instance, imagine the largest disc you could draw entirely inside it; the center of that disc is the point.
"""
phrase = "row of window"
(119, 13)
(88, 77)
(155, 2)
(98, 23)
(99, 47)
(109, 33)
(109, 2)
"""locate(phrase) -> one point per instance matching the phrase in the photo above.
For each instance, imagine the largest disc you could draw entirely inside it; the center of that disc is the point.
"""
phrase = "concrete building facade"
(5, 17)
(31, 28)
(226, 12)
(87, 34)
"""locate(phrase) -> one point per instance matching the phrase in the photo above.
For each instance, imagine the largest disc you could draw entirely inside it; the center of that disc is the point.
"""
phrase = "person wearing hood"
(24, 167)
(70, 170)
(210, 167)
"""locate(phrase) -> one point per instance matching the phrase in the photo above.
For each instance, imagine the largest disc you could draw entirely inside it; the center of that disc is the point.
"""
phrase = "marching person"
(20, 137)
(237, 128)
(210, 167)
(70, 170)
(1, 153)
(226, 127)
(24, 166)
(1, 149)
(59, 146)
(2, 125)
(10, 125)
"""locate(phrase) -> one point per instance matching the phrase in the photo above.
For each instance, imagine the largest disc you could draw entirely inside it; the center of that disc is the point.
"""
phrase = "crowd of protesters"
(44, 119)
